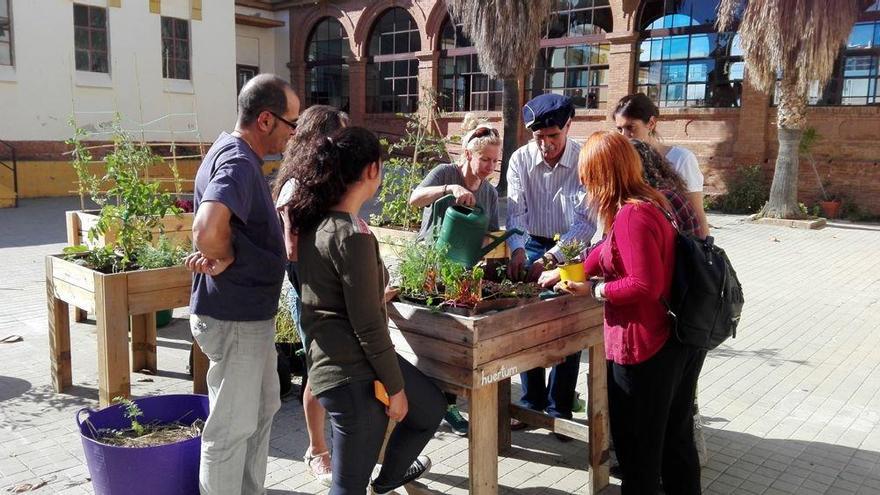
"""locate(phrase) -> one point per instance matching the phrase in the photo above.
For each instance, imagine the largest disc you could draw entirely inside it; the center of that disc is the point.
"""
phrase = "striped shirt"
(545, 201)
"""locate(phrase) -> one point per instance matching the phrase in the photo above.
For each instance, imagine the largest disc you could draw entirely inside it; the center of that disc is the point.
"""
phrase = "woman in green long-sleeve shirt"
(343, 284)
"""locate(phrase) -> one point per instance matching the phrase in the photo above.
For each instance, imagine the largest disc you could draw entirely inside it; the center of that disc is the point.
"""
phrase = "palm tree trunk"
(510, 114)
(791, 119)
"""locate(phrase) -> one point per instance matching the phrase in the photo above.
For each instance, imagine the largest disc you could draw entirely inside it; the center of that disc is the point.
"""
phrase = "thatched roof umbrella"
(507, 35)
(799, 40)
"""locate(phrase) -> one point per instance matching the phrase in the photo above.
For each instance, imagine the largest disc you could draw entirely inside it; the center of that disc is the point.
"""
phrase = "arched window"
(393, 71)
(856, 79)
(683, 60)
(463, 87)
(327, 58)
(573, 59)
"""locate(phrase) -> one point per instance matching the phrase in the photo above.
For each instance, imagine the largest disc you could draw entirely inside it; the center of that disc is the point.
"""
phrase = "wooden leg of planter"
(598, 413)
(111, 313)
(80, 315)
(504, 414)
(199, 370)
(143, 342)
(59, 336)
(483, 441)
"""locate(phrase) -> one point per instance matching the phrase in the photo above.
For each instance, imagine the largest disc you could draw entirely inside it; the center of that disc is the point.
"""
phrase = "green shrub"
(747, 191)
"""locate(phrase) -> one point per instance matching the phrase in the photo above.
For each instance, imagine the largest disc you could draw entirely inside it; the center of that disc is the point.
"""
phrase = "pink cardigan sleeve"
(591, 264)
(638, 238)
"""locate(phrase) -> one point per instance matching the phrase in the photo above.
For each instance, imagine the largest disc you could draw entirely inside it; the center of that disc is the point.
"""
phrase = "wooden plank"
(80, 315)
(155, 6)
(439, 371)
(143, 342)
(195, 10)
(72, 273)
(160, 278)
(59, 334)
(77, 296)
(157, 300)
(566, 427)
(112, 329)
(518, 340)
(433, 348)
(200, 365)
(492, 325)
(444, 326)
(597, 411)
(540, 356)
(504, 414)
(483, 441)
(73, 228)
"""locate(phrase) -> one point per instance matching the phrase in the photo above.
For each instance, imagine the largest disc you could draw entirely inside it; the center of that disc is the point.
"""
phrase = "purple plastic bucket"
(168, 469)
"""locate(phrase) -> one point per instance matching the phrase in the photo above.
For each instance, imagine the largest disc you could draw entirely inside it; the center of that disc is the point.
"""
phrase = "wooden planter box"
(476, 356)
(117, 300)
(178, 229)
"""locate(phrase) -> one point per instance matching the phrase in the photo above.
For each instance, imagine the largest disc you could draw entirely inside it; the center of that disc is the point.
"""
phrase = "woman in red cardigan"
(651, 376)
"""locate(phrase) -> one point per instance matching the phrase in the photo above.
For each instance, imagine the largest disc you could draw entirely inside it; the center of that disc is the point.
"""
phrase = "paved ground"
(791, 406)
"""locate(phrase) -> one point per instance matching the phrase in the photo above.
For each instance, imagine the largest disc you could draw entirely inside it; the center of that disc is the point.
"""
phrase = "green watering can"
(462, 230)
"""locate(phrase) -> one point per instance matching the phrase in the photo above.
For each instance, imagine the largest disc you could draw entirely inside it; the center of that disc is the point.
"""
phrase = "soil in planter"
(155, 435)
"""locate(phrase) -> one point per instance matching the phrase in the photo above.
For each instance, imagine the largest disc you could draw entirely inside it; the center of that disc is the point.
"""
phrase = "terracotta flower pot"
(830, 209)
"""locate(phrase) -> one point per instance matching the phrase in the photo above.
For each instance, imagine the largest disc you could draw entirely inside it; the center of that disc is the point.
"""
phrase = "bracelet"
(596, 289)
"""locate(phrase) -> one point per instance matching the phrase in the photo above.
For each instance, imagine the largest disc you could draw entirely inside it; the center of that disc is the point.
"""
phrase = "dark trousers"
(650, 407)
(359, 423)
(557, 396)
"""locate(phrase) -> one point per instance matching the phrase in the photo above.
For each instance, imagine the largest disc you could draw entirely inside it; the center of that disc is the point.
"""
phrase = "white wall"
(39, 94)
(266, 48)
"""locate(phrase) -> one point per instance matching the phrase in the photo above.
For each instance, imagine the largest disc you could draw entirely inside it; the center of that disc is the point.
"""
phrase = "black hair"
(325, 170)
(263, 92)
(657, 170)
(315, 122)
(636, 106)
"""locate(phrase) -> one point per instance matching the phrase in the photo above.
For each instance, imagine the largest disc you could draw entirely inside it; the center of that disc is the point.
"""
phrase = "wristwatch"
(596, 287)
(549, 261)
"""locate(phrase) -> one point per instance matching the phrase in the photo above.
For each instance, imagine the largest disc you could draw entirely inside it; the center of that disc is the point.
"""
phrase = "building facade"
(373, 58)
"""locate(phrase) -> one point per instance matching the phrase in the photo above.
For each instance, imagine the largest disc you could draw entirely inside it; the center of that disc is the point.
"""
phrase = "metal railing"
(14, 169)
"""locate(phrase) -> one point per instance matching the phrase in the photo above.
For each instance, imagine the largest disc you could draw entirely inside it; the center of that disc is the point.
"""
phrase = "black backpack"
(707, 297)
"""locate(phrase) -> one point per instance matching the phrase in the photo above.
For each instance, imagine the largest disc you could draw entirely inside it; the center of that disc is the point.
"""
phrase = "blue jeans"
(557, 397)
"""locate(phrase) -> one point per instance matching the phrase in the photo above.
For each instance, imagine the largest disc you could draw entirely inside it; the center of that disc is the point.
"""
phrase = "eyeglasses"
(290, 124)
(481, 132)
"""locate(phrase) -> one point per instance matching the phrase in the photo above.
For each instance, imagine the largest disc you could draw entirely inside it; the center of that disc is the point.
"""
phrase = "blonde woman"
(468, 181)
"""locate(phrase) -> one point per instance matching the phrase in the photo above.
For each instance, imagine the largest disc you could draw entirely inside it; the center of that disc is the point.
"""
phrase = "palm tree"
(800, 41)
(507, 35)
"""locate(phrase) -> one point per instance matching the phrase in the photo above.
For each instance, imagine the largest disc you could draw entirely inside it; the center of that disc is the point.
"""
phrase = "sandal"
(320, 467)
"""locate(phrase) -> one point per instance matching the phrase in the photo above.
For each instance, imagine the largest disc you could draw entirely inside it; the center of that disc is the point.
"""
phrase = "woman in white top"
(635, 116)
(314, 123)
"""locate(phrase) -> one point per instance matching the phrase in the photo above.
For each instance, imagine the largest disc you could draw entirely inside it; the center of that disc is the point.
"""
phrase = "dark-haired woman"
(346, 323)
(651, 376)
(636, 116)
(658, 173)
(315, 122)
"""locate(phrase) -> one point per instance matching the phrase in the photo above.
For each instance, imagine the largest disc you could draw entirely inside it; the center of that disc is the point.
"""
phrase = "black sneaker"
(419, 467)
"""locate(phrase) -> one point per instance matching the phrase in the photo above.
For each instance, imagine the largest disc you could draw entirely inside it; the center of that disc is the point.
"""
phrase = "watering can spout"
(496, 240)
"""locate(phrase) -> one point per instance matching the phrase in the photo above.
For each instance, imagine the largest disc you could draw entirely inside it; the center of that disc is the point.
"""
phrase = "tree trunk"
(510, 112)
(791, 120)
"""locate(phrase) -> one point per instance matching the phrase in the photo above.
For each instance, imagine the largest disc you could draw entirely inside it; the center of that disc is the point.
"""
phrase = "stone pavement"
(791, 405)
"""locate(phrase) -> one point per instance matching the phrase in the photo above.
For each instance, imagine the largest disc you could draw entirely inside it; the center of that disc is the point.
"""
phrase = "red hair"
(611, 171)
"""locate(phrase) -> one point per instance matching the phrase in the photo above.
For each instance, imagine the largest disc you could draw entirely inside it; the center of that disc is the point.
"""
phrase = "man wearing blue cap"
(545, 198)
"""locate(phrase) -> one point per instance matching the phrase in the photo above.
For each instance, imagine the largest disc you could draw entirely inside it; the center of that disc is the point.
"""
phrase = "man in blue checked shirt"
(545, 198)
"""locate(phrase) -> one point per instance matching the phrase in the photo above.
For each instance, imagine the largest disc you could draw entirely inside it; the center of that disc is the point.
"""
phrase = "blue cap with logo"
(547, 110)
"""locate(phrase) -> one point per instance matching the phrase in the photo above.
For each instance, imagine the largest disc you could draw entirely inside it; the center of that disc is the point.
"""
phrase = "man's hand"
(391, 293)
(516, 264)
(198, 263)
(549, 278)
(535, 271)
(398, 406)
(463, 196)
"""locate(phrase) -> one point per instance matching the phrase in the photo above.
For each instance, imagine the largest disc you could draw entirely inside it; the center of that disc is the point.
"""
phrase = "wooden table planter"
(117, 299)
(476, 356)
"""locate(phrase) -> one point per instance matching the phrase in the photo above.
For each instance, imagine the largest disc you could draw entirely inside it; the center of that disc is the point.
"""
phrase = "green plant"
(285, 326)
(131, 205)
(103, 258)
(419, 269)
(421, 146)
(747, 191)
(132, 412)
(163, 255)
(461, 285)
(571, 249)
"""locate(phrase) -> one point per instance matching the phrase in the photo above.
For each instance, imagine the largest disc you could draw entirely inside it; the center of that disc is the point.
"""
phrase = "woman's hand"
(399, 406)
(574, 288)
(463, 196)
(549, 278)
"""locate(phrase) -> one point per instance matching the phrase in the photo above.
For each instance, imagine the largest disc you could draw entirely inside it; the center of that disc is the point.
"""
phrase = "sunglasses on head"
(481, 132)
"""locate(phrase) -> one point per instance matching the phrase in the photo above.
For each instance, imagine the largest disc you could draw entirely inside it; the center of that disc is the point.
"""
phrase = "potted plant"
(112, 280)
(573, 268)
(831, 202)
(287, 344)
(145, 446)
